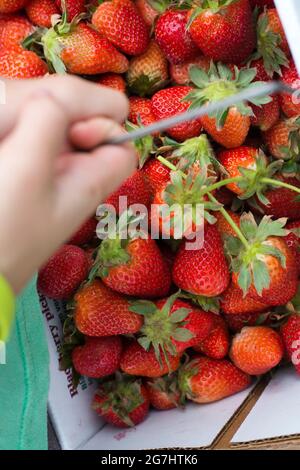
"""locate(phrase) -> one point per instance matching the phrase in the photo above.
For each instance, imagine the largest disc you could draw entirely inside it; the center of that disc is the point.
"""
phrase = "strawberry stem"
(222, 183)
(281, 184)
(213, 199)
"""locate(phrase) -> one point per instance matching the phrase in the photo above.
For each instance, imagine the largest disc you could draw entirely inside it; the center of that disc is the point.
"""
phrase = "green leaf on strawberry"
(145, 146)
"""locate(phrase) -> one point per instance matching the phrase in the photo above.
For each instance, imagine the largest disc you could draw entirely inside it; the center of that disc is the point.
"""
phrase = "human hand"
(48, 187)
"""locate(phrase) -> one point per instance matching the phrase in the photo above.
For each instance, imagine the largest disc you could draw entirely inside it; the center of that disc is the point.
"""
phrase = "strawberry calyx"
(208, 304)
(185, 375)
(121, 396)
(167, 385)
(248, 262)
(145, 146)
(213, 6)
(218, 84)
(161, 5)
(268, 47)
(291, 153)
(161, 327)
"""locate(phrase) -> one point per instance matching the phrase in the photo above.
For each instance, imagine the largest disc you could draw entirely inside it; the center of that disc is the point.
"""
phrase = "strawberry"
(141, 111)
(224, 197)
(122, 402)
(99, 311)
(256, 349)
(281, 201)
(216, 345)
(12, 6)
(98, 357)
(135, 188)
(290, 104)
(171, 325)
(132, 266)
(171, 101)
(231, 126)
(266, 116)
(234, 303)
(205, 380)
(157, 174)
(290, 333)
(223, 226)
(147, 12)
(17, 63)
(85, 233)
(180, 73)
(120, 22)
(73, 7)
(63, 273)
(113, 80)
(224, 31)
(238, 321)
(80, 49)
(283, 141)
(163, 392)
(293, 239)
(40, 12)
(173, 38)
(204, 271)
(272, 46)
(137, 361)
(261, 73)
(262, 262)
(148, 72)
(13, 30)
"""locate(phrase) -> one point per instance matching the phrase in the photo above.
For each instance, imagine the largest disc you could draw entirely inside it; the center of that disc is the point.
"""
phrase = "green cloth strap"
(24, 379)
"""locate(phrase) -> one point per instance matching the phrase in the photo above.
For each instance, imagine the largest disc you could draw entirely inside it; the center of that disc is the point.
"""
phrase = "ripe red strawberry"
(99, 311)
(289, 105)
(267, 115)
(223, 226)
(169, 102)
(224, 196)
(272, 46)
(261, 74)
(163, 392)
(172, 36)
(135, 188)
(20, 64)
(263, 263)
(122, 402)
(113, 80)
(120, 22)
(180, 73)
(141, 111)
(85, 233)
(238, 321)
(282, 201)
(73, 7)
(231, 126)
(171, 325)
(147, 12)
(133, 267)
(98, 357)
(11, 6)
(13, 30)
(216, 345)
(148, 72)
(137, 361)
(157, 174)
(63, 273)
(234, 303)
(293, 240)
(204, 271)
(282, 139)
(224, 32)
(40, 12)
(205, 380)
(256, 349)
(80, 49)
(290, 332)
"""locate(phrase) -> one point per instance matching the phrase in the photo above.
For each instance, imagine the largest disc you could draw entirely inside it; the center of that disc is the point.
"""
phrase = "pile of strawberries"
(156, 323)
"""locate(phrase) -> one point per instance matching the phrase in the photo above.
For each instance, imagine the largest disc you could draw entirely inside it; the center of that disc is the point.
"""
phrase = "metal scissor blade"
(165, 124)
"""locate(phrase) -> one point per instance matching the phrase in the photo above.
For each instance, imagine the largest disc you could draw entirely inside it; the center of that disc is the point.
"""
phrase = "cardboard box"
(265, 416)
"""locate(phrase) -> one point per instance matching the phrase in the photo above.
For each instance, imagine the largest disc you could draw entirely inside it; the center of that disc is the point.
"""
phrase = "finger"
(80, 98)
(39, 136)
(90, 134)
(88, 180)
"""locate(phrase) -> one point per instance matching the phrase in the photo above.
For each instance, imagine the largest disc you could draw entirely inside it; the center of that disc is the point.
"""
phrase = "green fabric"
(24, 380)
